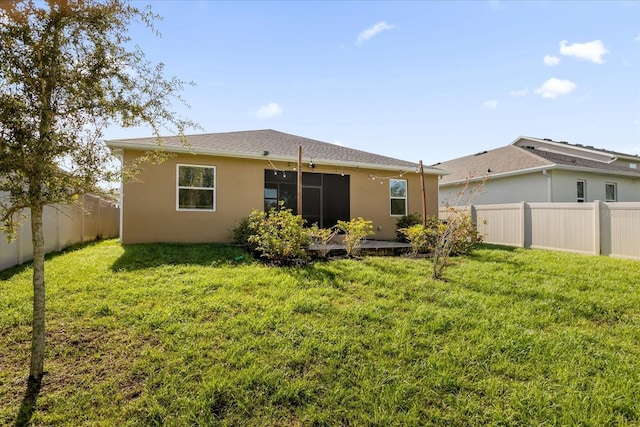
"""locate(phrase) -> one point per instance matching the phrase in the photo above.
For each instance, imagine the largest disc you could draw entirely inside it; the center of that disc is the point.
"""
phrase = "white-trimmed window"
(581, 191)
(398, 196)
(610, 192)
(196, 188)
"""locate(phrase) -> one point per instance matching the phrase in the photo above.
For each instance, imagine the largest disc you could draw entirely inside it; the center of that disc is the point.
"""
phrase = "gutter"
(545, 168)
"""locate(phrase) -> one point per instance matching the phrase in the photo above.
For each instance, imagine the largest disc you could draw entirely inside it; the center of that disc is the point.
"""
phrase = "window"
(398, 196)
(196, 188)
(581, 191)
(610, 192)
(280, 186)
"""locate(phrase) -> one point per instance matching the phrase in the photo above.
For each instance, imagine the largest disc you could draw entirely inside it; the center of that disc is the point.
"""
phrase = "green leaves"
(65, 75)
(278, 234)
(354, 232)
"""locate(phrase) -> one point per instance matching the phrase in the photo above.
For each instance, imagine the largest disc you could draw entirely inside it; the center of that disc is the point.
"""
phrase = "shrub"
(466, 235)
(240, 235)
(418, 237)
(405, 222)
(278, 235)
(354, 232)
(456, 236)
(322, 236)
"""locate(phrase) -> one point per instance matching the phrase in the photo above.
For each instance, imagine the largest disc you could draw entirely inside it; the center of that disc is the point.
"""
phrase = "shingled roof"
(272, 145)
(512, 160)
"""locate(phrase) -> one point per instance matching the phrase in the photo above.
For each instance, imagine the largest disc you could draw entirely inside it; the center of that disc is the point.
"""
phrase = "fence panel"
(563, 226)
(500, 224)
(611, 229)
(622, 223)
(63, 226)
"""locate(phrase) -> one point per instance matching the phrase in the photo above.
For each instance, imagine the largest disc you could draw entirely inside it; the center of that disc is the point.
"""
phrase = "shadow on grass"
(142, 256)
(28, 406)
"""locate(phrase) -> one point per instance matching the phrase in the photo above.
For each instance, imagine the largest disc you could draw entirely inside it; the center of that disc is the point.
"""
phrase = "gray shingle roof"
(580, 146)
(511, 159)
(279, 145)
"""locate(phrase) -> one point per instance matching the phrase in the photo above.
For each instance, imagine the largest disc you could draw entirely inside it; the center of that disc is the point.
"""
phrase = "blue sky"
(413, 80)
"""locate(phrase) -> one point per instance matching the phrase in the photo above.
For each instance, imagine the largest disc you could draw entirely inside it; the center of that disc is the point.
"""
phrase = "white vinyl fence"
(610, 229)
(64, 225)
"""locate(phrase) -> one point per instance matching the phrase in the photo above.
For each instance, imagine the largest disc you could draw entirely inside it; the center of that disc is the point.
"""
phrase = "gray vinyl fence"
(64, 225)
(599, 228)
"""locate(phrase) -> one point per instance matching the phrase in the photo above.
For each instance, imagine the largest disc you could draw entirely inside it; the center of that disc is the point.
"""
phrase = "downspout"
(549, 187)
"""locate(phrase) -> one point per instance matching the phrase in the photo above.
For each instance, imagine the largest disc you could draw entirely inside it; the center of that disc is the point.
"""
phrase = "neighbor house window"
(581, 191)
(196, 188)
(610, 192)
(398, 196)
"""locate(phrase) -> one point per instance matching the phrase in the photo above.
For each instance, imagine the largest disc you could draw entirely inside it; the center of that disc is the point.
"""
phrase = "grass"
(201, 335)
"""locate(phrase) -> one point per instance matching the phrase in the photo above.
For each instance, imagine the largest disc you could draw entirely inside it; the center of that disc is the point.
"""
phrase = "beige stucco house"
(205, 187)
(542, 170)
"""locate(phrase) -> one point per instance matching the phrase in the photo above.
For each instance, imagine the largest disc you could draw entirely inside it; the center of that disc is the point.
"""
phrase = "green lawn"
(198, 335)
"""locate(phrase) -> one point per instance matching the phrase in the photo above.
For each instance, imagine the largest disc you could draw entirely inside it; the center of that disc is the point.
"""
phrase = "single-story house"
(204, 188)
(542, 170)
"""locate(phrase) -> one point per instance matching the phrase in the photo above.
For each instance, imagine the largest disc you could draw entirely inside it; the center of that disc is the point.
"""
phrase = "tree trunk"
(38, 331)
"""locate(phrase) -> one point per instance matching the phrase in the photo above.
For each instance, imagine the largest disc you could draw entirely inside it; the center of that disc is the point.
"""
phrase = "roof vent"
(563, 142)
(547, 139)
(481, 153)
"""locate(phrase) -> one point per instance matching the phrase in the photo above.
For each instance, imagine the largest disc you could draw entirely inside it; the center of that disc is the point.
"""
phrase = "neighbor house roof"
(516, 160)
(563, 145)
(270, 145)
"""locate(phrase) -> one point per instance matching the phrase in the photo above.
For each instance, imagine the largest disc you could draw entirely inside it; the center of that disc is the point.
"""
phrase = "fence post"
(596, 227)
(523, 225)
(58, 219)
(82, 207)
(18, 248)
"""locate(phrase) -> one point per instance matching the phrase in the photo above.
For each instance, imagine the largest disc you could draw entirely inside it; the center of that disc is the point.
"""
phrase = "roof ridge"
(532, 153)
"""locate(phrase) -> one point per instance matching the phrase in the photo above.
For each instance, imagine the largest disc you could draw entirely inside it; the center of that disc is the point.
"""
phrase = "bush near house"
(278, 235)
(405, 222)
(355, 231)
(425, 239)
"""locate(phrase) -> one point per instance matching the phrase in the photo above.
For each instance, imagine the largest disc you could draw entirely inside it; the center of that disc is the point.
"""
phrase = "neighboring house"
(203, 189)
(542, 170)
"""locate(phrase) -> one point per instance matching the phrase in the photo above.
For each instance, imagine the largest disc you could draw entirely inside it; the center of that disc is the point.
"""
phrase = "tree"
(66, 73)
(456, 234)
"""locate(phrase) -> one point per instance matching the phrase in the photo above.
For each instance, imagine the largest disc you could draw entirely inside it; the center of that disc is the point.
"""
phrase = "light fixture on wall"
(311, 165)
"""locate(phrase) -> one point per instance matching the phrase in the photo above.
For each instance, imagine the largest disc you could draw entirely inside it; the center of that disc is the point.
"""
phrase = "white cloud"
(519, 92)
(551, 61)
(590, 51)
(553, 88)
(372, 31)
(491, 104)
(268, 111)
(637, 38)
